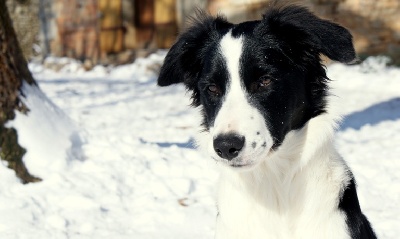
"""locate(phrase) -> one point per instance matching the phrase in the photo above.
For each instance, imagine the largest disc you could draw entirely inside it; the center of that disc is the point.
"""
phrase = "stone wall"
(24, 15)
(375, 24)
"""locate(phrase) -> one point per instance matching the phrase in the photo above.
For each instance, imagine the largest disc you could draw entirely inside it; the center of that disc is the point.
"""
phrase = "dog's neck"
(305, 153)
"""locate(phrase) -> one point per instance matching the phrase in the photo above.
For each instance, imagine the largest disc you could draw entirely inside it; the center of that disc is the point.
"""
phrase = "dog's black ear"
(171, 72)
(184, 60)
(297, 25)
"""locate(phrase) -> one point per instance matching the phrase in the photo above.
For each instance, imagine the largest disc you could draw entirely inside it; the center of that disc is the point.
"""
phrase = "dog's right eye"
(214, 90)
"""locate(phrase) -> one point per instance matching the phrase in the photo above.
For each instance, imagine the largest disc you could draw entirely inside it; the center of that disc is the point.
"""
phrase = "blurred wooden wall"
(96, 30)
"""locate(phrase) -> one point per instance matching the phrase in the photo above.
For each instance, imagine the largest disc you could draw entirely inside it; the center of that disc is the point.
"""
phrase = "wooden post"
(144, 22)
(166, 24)
(111, 28)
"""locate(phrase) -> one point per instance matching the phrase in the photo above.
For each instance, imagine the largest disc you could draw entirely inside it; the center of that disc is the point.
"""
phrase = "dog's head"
(256, 81)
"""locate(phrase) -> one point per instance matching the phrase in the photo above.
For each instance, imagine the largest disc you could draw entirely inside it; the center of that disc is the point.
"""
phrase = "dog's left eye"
(264, 81)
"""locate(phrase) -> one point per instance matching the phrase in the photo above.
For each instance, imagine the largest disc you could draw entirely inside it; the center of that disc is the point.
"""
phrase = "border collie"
(262, 89)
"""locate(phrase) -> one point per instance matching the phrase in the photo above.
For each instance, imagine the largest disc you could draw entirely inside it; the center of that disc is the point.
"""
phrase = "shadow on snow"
(387, 110)
(190, 144)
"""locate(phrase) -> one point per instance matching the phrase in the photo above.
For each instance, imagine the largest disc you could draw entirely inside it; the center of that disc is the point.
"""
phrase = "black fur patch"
(358, 225)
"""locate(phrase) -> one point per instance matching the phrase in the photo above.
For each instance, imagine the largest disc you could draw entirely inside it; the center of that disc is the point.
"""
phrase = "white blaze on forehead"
(235, 101)
(236, 114)
(231, 49)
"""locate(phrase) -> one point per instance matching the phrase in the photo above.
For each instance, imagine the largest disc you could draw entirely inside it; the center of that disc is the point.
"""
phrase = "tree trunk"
(13, 71)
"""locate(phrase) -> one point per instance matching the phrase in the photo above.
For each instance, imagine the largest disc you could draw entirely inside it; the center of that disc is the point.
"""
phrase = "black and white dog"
(263, 92)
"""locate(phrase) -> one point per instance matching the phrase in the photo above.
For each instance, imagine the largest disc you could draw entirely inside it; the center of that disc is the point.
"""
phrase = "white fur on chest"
(293, 194)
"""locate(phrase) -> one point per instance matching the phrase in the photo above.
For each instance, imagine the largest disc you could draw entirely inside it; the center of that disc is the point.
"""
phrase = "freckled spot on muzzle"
(264, 144)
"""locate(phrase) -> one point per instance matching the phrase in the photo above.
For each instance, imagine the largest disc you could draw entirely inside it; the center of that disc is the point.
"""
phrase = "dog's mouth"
(242, 167)
(236, 164)
(239, 165)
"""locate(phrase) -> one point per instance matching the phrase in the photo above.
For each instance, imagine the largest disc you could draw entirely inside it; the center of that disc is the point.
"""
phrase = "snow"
(40, 140)
(118, 160)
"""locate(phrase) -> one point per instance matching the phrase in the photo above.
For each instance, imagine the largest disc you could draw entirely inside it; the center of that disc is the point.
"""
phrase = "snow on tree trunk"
(31, 126)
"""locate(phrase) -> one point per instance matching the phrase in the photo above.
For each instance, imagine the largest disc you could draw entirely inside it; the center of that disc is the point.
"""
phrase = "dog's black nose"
(228, 146)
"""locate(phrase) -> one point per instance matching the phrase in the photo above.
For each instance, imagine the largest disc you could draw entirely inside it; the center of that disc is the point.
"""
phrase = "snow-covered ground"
(126, 166)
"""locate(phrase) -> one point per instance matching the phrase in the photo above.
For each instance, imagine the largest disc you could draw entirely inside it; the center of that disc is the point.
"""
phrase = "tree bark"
(13, 71)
